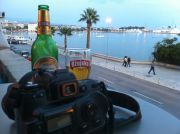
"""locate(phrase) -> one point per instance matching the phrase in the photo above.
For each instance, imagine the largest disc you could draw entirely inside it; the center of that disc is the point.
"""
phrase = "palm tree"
(90, 16)
(66, 32)
(53, 30)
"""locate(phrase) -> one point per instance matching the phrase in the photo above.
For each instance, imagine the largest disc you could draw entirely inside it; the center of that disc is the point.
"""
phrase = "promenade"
(165, 76)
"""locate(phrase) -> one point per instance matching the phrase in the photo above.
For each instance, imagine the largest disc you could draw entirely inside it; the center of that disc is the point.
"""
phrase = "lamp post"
(108, 21)
(3, 41)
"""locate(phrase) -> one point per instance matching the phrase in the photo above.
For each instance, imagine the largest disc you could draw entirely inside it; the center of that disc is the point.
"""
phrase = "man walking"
(152, 68)
(128, 61)
(125, 61)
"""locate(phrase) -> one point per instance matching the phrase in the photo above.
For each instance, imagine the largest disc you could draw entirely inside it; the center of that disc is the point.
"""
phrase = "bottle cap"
(43, 7)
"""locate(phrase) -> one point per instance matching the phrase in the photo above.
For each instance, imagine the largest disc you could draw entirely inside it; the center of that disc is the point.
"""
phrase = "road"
(160, 96)
(163, 97)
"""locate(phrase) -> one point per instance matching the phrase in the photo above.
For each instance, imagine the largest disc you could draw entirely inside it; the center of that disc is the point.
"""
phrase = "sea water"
(138, 46)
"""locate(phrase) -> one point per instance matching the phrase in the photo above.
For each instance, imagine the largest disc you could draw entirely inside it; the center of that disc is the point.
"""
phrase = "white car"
(25, 54)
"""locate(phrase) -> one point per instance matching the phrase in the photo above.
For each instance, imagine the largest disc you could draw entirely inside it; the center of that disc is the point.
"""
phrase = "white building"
(174, 31)
(20, 25)
(32, 27)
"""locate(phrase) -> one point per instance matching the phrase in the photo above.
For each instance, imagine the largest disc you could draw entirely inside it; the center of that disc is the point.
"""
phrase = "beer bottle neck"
(44, 27)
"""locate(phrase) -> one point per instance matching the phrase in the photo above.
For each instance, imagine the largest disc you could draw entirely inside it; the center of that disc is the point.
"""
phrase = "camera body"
(63, 106)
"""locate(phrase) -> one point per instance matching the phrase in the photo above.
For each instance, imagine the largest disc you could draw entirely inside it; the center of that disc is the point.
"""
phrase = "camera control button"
(97, 122)
(91, 110)
(39, 128)
(83, 88)
(83, 127)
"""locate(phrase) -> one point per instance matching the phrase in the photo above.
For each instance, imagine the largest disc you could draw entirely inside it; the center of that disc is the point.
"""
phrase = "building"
(21, 25)
(32, 27)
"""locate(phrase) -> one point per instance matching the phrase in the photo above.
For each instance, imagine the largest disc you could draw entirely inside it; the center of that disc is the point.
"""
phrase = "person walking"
(152, 68)
(128, 61)
(124, 61)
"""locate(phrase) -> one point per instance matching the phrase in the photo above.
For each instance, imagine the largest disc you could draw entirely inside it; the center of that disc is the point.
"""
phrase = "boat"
(14, 39)
(100, 36)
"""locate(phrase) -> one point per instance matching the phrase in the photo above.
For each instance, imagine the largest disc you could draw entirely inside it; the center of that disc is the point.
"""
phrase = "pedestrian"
(152, 68)
(124, 61)
(128, 61)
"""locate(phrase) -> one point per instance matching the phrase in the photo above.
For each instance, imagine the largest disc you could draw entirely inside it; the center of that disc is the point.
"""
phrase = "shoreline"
(113, 30)
(136, 62)
(116, 59)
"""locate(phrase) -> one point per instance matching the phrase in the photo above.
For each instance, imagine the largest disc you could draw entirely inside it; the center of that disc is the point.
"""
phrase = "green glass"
(44, 51)
(43, 7)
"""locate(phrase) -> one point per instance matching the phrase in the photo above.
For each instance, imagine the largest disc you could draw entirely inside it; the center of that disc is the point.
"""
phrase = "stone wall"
(13, 65)
(5, 74)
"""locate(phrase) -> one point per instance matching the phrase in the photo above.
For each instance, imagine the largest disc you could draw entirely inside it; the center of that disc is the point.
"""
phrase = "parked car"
(12, 47)
(25, 54)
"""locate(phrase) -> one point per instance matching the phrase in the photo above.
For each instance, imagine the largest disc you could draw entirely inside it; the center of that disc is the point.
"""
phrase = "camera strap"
(125, 101)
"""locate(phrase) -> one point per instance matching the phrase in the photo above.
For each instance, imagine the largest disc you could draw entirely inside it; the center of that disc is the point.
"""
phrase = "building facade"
(32, 27)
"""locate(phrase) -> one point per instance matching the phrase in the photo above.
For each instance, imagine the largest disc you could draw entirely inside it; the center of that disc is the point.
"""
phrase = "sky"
(147, 13)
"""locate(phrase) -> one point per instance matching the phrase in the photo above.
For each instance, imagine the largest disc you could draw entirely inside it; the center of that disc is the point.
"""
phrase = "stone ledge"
(14, 66)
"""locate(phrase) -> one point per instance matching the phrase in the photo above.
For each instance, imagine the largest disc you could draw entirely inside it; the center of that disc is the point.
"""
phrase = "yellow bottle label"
(46, 63)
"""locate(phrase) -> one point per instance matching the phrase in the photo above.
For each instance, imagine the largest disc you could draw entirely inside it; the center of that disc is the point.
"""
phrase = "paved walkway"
(164, 76)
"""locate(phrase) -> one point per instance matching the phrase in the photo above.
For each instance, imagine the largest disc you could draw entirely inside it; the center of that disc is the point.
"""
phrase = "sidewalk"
(164, 76)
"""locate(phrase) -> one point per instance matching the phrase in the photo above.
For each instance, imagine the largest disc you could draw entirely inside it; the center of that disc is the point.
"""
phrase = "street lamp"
(108, 21)
(3, 41)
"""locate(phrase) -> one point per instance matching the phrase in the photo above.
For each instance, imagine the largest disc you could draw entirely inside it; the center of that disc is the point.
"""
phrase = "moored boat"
(14, 39)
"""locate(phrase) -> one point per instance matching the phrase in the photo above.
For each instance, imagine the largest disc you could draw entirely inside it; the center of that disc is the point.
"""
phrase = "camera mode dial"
(89, 111)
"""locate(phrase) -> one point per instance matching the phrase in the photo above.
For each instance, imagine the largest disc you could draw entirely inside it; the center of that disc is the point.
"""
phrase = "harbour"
(138, 46)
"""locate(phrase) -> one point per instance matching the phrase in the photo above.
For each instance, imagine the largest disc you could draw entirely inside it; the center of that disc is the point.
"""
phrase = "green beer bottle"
(44, 51)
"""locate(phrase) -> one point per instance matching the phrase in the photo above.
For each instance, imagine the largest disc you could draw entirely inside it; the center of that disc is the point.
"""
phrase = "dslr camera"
(45, 102)
(56, 103)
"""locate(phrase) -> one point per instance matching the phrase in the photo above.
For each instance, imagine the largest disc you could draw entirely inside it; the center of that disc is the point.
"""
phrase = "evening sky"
(148, 13)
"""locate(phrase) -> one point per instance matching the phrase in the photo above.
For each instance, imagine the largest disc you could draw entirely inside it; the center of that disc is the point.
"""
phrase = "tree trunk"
(65, 42)
(88, 36)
